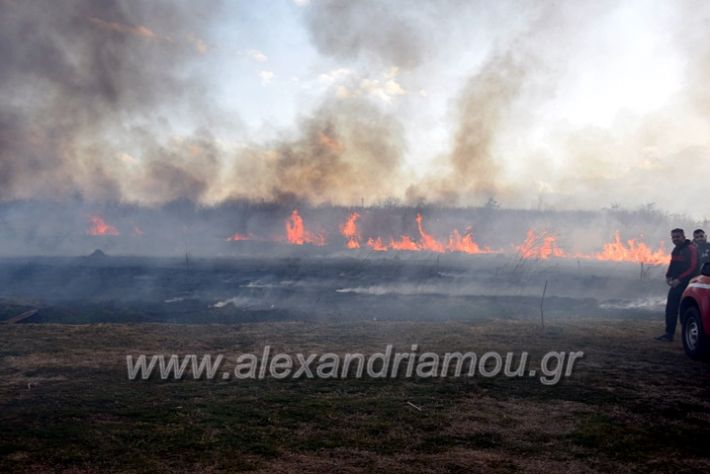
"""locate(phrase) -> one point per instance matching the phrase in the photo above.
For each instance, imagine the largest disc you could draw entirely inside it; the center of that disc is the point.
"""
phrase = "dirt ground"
(632, 404)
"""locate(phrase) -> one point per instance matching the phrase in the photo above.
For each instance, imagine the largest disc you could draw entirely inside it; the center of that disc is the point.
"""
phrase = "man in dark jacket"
(701, 243)
(683, 267)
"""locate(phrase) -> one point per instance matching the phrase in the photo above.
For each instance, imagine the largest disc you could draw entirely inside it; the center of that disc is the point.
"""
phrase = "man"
(683, 267)
(701, 243)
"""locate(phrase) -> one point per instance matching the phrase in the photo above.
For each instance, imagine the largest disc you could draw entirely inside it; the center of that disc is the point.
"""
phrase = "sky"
(555, 105)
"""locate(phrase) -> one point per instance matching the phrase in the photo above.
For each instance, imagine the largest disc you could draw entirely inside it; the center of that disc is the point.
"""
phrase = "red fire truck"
(695, 315)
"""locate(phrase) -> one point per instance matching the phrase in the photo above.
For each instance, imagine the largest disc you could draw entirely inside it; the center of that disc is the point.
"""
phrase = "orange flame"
(541, 246)
(537, 245)
(239, 237)
(632, 251)
(99, 227)
(464, 243)
(296, 233)
(428, 242)
(376, 244)
(404, 243)
(349, 231)
(294, 229)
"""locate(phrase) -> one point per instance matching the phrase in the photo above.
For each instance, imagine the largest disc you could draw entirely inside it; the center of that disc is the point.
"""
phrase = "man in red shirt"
(683, 267)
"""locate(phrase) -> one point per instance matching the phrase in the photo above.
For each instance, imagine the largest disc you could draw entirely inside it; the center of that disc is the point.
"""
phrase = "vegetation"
(631, 404)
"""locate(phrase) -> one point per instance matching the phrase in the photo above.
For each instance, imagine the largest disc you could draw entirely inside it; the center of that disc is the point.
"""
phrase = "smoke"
(183, 168)
(110, 101)
(483, 103)
(79, 78)
(692, 33)
(112, 76)
(346, 151)
(388, 32)
(481, 110)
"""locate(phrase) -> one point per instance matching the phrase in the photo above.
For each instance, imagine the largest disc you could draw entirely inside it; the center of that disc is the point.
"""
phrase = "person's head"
(699, 236)
(677, 236)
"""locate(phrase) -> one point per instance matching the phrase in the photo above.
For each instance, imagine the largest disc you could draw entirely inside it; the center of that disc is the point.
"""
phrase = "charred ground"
(318, 288)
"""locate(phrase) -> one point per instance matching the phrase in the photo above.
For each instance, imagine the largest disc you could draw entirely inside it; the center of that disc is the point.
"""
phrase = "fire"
(350, 232)
(541, 246)
(98, 226)
(296, 233)
(239, 237)
(632, 251)
(294, 229)
(376, 244)
(428, 242)
(464, 243)
(537, 245)
(404, 243)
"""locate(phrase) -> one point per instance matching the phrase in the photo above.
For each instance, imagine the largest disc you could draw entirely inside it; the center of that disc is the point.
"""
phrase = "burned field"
(102, 289)
(631, 403)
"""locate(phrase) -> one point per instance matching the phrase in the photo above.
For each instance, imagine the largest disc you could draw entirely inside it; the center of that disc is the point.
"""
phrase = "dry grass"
(632, 404)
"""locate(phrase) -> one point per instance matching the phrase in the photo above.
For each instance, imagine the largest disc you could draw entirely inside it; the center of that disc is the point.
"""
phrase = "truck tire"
(695, 342)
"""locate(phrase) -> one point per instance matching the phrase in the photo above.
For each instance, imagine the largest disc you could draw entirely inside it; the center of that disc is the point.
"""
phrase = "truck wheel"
(695, 342)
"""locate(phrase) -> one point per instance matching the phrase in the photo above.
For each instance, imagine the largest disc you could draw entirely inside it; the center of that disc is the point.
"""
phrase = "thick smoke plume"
(483, 103)
(79, 76)
(110, 101)
(480, 113)
(346, 152)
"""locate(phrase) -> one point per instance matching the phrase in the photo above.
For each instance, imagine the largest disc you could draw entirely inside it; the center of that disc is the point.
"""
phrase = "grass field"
(632, 403)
